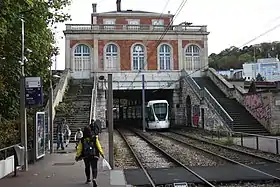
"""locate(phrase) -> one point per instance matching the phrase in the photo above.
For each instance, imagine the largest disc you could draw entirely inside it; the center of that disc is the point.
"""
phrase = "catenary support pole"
(22, 101)
(143, 103)
(110, 120)
(51, 112)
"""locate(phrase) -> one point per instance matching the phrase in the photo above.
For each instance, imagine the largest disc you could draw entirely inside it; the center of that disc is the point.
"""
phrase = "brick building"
(124, 42)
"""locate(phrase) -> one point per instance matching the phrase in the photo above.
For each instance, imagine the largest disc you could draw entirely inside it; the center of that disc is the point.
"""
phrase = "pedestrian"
(89, 149)
(78, 136)
(95, 127)
(60, 130)
(67, 135)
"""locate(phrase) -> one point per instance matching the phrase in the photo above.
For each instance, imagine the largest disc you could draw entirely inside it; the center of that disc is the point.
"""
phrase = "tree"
(234, 57)
(39, 16)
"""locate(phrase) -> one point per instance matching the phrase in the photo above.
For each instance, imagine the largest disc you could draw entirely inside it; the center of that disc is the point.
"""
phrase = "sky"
(230, 22)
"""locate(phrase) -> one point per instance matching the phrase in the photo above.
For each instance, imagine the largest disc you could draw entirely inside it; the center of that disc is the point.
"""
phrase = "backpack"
(89, 148)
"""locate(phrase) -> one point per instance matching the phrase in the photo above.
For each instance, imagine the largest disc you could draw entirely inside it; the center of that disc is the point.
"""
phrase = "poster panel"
(40, 134)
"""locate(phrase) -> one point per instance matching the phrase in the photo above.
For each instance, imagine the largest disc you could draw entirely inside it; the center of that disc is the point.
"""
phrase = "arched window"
(165, 57)
(81, 58)
(192, 55)
(138, 56)
(111, 57)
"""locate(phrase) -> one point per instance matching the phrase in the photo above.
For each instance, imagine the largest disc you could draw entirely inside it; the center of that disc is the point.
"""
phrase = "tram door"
(121, 113)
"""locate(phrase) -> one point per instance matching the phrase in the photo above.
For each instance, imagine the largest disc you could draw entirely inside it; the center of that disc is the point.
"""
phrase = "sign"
(33, 91)
(181, 184)
(40, 134)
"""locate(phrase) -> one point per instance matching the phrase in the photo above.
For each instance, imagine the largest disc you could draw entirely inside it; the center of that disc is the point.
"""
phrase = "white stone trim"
(145, 56)
(180, 55)
(118, 54)
(95, 57)
(67, 53)
(139, 36)
(171, 56)
(108, 19)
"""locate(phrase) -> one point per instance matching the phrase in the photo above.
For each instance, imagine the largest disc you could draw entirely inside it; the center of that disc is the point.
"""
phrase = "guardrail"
(193, 84)
(135, 28)
(205, 94)
(221, 111)
(5, 153)
(93, 99)
(254, 141)
(58, 94)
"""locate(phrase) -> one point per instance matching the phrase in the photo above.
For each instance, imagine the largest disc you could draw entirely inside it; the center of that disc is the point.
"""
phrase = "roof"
(135, 12)
(157, 101)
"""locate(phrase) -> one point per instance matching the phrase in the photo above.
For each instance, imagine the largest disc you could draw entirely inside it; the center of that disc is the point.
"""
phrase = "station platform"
(61, 170)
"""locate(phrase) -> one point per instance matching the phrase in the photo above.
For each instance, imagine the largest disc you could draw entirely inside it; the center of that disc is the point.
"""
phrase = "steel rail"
(225, 147)
(170, 157)
(220, 156)
(137, 159)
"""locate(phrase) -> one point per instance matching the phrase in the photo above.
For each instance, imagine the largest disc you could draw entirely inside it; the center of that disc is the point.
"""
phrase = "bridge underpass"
(128, 104)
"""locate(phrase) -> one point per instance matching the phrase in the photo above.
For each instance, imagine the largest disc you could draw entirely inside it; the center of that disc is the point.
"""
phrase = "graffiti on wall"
(196, 115)
(259, 106)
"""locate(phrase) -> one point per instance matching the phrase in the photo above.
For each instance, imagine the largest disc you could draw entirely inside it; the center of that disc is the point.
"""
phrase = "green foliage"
(234, 57)
(39, 17)
(9, 133)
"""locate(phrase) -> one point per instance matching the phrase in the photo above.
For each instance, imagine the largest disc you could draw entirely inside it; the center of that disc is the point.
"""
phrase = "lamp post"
(22, 101)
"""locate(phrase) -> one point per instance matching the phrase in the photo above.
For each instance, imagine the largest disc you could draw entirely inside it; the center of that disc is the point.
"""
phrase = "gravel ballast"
(149, 157)
(186, 155)
(202, 134)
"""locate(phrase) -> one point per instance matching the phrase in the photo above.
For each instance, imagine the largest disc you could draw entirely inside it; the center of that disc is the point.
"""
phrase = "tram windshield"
(160, 110)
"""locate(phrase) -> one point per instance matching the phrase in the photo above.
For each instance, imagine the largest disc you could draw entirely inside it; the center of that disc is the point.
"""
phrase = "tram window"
(151, 115)
(160, 110)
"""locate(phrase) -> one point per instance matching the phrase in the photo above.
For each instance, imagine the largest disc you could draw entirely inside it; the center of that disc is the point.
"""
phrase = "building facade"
(124, 42)
(268, 68)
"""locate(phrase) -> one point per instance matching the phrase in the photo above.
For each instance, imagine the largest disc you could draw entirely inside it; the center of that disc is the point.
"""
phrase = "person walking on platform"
(78, 136)
(89, 149)
(60, 131)
(95, 127)
(67, 135)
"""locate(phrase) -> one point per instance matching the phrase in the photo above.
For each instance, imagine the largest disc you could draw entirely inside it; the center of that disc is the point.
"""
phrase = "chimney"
(94, 7)
(118, 5)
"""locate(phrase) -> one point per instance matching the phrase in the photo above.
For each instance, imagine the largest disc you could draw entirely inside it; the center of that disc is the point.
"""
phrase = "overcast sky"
(230, 22)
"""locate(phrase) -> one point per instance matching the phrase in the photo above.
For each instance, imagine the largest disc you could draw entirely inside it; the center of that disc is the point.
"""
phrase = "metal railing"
(134, 28)
(193, 85)
(7, 152)
(220, 110)
(93, 99)
(263, 143)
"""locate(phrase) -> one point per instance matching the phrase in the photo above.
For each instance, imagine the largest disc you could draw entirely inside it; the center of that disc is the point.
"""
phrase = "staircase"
(243, 121)
(75, 107)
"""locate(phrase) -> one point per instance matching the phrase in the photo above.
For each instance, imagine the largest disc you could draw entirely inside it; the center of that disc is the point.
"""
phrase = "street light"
(22, 100)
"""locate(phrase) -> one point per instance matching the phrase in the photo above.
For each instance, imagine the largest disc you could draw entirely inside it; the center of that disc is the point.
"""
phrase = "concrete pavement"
(61, 170)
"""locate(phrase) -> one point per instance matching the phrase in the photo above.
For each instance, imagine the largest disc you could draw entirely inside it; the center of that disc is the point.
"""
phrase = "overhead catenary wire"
(248, 42)
(150, 33)
(161, 38)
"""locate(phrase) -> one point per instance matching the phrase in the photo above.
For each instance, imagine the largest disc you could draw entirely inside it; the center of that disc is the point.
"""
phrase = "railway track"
(234, 156)
(144, 165)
